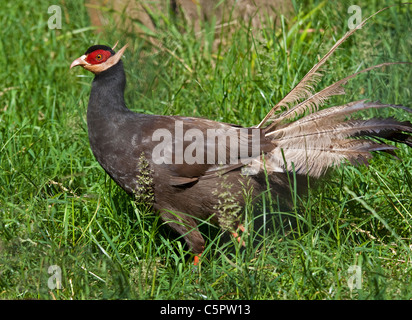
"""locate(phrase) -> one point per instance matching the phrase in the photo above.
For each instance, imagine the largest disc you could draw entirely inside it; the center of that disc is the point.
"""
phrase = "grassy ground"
(58, 208)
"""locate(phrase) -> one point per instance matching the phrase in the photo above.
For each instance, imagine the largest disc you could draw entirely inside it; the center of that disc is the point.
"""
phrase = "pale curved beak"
(79, 62)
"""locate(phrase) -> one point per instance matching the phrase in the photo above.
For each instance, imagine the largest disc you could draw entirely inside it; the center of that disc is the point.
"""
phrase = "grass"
(58, 208)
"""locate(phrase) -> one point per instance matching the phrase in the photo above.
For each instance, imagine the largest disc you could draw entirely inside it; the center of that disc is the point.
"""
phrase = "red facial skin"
(98, 56)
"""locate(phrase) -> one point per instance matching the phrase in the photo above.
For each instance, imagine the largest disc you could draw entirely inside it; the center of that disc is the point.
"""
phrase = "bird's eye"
(99, 57)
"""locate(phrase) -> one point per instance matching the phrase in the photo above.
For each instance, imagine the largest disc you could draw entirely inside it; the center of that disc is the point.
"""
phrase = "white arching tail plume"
(320, 139)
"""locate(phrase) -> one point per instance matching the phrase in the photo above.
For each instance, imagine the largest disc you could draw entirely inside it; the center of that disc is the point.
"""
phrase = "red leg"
(236, 235)
(197, 259)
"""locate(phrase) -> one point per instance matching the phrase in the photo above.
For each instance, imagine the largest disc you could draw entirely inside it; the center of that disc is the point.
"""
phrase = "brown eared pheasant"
(192, 169)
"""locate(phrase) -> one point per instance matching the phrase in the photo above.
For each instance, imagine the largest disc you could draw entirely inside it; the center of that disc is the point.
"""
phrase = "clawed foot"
(197, 259)
(240, 227)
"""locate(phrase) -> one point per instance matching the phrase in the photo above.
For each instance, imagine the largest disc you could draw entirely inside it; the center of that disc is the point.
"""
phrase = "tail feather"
(322, 129)
(323, 139)
(316, 100)
(304, 89)
(340, 112)
(316, 160)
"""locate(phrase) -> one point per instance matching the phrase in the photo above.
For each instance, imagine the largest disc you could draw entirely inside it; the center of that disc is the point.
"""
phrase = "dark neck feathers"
(107, 93)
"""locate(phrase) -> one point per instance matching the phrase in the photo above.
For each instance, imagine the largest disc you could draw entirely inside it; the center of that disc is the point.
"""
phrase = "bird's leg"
(237, 236)
(197, 259)
(187, 227)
